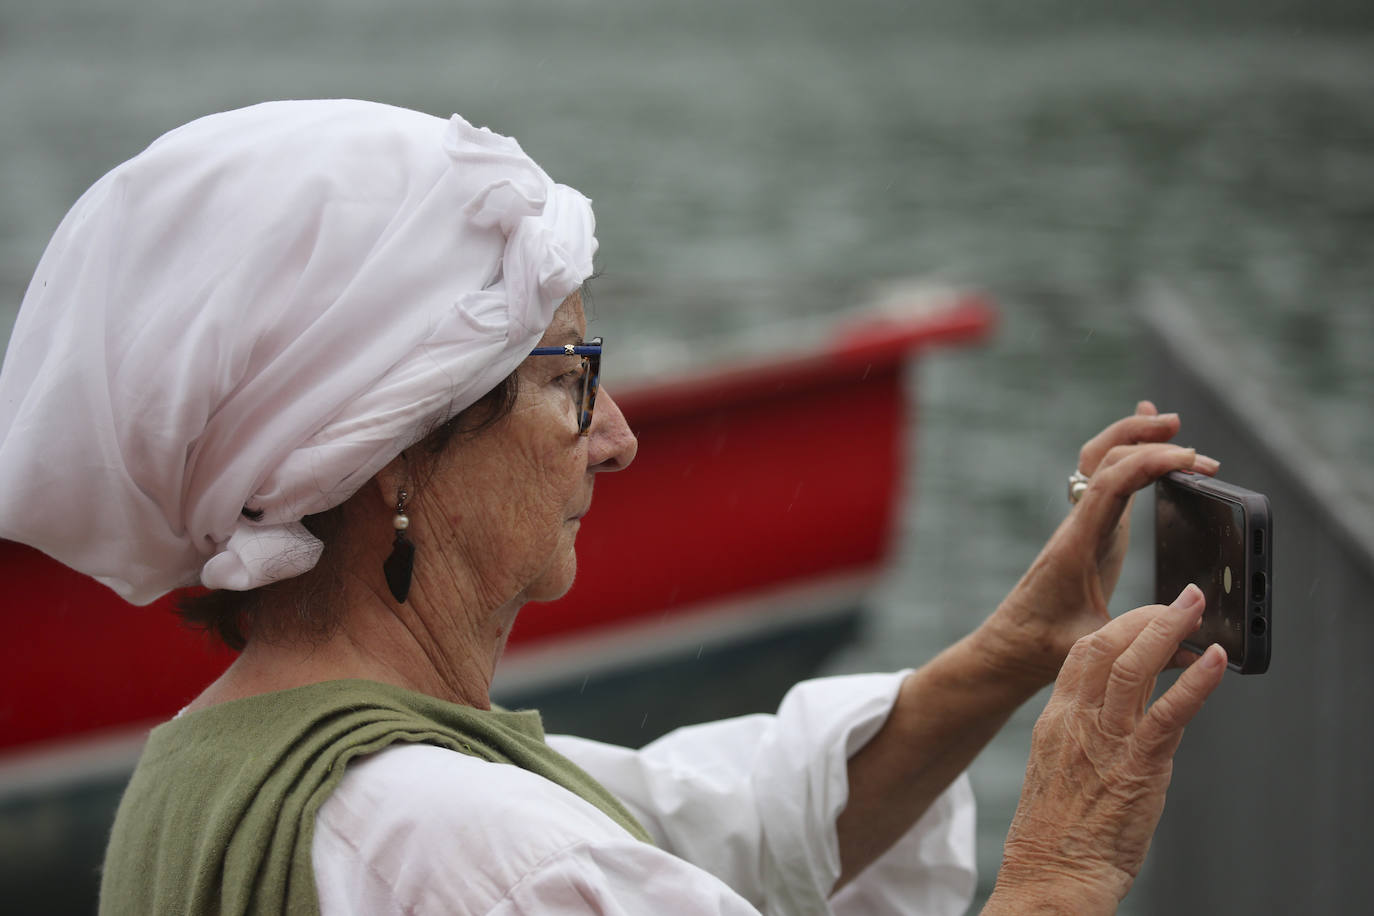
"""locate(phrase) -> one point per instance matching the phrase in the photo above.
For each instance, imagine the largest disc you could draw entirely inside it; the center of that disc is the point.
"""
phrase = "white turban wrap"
(261, 310)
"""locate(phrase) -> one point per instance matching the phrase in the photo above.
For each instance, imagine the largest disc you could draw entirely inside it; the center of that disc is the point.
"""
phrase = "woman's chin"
(554, 582)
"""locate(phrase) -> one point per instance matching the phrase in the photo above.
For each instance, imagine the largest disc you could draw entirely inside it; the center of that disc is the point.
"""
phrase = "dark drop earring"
(401, 563)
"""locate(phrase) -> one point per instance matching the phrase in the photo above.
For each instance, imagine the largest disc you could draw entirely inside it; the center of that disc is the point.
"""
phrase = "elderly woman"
(330, 360)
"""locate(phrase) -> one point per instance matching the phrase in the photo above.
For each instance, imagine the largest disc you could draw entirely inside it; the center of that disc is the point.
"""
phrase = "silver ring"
(1078, 483)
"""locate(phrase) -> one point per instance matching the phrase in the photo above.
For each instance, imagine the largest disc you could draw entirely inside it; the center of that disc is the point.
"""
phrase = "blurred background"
(755, 162)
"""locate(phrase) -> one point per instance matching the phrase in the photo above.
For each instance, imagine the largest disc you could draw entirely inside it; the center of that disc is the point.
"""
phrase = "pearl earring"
(401, 563)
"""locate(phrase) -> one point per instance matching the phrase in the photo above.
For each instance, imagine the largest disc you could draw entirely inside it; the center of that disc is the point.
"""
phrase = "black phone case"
(1258, 579)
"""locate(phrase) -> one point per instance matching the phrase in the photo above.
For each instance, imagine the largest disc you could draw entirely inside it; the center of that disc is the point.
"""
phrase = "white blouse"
(743, 812)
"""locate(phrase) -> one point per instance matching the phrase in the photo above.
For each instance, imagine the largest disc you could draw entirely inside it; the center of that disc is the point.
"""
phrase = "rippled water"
(757, 161)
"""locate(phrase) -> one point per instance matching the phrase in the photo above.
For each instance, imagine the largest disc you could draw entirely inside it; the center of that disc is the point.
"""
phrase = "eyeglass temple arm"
(578, 350)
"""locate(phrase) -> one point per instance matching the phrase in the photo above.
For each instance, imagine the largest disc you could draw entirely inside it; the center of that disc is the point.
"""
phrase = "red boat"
(727, 564)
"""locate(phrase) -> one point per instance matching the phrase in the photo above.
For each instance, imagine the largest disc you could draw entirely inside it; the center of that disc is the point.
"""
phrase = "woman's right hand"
(1101, 758)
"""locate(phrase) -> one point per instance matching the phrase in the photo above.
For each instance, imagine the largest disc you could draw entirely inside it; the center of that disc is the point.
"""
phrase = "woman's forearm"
(944, 715)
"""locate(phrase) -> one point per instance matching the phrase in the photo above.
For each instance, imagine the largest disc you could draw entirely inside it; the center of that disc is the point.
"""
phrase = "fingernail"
(1214, 659)
(1165, 417)
(1206, 464)
(1190, 599)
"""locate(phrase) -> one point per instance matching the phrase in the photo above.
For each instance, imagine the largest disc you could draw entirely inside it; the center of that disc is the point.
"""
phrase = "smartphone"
(1219, 537)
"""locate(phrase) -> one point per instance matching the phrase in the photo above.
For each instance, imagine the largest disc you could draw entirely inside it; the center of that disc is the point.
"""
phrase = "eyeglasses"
(591, 375)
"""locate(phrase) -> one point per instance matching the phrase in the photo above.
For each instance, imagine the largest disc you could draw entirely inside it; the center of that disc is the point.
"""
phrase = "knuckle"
(1119, 453)
(1113, 726)
(1127, 672)
(1164, 632)
(1092, 647)
(1113, 466)
(1166, 718)
(1151, 736)
(1164, 713)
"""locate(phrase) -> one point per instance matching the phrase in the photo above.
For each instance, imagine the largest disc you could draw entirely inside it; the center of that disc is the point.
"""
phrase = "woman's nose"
(611, 445)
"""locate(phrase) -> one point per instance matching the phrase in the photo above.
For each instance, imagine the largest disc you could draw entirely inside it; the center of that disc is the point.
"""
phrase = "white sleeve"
(629, 879)
(753, 800)
(417, 830)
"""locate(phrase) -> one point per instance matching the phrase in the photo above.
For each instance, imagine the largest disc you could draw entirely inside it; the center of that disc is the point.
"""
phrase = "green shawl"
(220, 813)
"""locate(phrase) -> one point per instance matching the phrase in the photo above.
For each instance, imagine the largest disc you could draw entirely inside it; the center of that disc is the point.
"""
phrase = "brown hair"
(309, 606)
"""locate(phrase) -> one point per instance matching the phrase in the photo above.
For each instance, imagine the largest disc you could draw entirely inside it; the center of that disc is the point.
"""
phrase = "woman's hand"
(1100, 763)
(1064, 594)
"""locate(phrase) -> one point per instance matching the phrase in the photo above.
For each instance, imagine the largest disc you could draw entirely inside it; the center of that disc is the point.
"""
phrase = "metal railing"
(1272, 790)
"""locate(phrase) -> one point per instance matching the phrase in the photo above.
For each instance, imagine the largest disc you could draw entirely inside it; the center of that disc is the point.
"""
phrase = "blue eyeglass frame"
(591, 375)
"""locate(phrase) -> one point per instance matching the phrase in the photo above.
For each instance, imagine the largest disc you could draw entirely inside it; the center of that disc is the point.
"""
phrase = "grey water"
(753, 162)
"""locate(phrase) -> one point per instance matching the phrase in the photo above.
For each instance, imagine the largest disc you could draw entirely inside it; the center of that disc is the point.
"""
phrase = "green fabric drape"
(220, 813)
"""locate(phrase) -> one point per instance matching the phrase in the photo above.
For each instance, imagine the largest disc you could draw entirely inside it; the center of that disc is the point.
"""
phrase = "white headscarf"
(261, 310)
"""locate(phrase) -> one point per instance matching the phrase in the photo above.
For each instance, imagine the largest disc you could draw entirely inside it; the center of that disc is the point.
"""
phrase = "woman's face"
(513, 495)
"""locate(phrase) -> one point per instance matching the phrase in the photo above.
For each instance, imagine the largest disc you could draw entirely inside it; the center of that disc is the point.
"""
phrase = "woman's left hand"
(1064, 594)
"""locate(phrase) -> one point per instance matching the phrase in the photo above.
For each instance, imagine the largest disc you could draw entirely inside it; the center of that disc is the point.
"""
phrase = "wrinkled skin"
(1101, 754)
(1092, 785)
(1101, 759)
